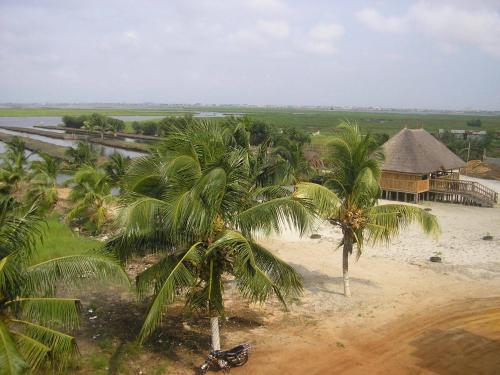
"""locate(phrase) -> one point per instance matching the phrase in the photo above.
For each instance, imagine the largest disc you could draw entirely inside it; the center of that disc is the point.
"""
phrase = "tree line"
(199, 201)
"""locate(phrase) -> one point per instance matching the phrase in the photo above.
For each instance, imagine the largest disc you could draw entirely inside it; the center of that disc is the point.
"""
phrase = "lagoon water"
(31, 121)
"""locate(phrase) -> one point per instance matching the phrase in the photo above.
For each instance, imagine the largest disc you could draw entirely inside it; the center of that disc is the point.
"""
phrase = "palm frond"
(63, 347)
(273, 215)
(324, 200)
(34, 352)
(11, 361)
(254, 283)
(177, 276)
(48, 311)
(386, 221)
(288, 280)
(76, 270)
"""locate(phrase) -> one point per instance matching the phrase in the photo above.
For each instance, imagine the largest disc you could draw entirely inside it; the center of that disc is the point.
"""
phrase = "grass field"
(59, 240)
(311, 120)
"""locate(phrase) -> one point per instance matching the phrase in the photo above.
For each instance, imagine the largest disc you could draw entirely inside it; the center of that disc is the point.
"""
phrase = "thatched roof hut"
(417, 152)
(418, 166)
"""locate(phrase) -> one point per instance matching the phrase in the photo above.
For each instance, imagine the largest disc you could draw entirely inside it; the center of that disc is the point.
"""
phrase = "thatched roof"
(416, 151)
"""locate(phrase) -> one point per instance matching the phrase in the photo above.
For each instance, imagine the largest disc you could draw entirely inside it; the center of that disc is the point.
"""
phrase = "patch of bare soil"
(462, 337)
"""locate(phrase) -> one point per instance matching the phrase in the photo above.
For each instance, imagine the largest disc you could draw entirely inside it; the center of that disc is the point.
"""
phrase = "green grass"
(59, 240)
(310, 120)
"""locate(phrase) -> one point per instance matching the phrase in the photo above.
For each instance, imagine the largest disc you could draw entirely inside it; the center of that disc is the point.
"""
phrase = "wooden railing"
(451, 176)
(412, 186)
(464, 187)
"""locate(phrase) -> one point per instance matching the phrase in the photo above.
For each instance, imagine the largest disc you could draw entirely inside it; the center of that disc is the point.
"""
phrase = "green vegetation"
(349, 198)
(91, 195)
(196, 200)
(33, 321)
(59, 240)
(307, 119)
(43, 182)
(469, 149)
(197, 204)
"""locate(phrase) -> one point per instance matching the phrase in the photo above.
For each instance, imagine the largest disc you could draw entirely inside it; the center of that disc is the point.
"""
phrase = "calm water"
(31, 121)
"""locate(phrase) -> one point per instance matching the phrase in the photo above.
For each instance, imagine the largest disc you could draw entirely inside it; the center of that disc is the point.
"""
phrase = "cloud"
(454, 26)
(321, 38)
(274, 29)
(373, 20)
(451, 25)
(267, 6)
(326, 31)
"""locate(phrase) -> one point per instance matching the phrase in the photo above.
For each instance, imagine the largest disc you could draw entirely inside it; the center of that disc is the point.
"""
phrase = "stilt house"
(418, 166)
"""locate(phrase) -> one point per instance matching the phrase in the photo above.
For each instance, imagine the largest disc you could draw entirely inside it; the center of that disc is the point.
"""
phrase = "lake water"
(30, 122)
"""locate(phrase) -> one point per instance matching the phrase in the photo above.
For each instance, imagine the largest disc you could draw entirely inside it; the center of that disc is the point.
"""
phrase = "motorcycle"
(225, 359)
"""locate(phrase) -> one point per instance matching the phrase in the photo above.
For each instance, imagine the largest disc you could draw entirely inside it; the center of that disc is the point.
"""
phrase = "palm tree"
(43, 184)
(83, 154)
(32, 319)
(349, 200)
(116, 166)
(97, 123)
(12, 168)
(195, 202)
(115, 125)
(91, 195)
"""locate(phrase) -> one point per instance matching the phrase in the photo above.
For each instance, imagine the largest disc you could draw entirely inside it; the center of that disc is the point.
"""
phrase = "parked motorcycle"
(225, 359)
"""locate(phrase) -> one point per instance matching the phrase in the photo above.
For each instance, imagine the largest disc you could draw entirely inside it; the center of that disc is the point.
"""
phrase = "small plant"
(488, 237)
(436, 257)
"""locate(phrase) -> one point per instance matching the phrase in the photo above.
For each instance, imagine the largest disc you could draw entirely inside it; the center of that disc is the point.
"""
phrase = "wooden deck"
(460, 191)
(443, 189)
(410, 186)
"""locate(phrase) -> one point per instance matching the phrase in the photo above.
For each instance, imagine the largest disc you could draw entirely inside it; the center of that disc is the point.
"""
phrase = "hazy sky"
(426, 54)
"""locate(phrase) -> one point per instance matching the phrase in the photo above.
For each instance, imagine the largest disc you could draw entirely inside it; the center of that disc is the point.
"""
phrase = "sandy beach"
(406, 316)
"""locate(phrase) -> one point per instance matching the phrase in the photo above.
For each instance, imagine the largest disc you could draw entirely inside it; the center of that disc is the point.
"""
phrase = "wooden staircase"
(465, 192)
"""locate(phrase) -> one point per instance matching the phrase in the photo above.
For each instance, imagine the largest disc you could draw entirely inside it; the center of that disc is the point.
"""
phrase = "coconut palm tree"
(43, 182)
(83, 154)
(33, 322)
(97, 123)
(349, 198)
(91, 195)
(12, 167)
(116, 166)
(195, 202)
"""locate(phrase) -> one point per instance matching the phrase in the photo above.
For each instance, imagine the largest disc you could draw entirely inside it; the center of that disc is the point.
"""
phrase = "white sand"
(385, 272)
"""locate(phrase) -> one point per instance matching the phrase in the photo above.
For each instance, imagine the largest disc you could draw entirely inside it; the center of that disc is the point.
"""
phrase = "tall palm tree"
(12, 167)
(349, 199)
(83, 154)
(91, 195)
(116, 166)
(43, 182)
(97, 123)
(32, 320)
(195, 202)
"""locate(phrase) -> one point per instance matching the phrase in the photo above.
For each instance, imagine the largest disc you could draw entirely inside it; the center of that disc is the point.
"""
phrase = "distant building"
(418, 166)
(464, 134)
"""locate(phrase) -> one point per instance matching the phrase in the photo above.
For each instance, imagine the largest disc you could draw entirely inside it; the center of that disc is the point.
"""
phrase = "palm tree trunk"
(345, 263)
(214, 325)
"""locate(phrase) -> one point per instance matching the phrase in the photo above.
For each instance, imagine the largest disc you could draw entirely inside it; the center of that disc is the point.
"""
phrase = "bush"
(75, 122)
(475, 123)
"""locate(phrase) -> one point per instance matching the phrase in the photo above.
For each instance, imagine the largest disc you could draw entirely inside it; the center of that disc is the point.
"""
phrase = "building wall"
(404, 182)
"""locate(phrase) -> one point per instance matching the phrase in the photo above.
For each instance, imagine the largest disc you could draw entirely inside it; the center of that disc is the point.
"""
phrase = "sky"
(436, 54)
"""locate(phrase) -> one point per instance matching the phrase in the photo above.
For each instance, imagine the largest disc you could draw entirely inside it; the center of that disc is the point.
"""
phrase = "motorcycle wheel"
(203, 369)
(241, 361)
